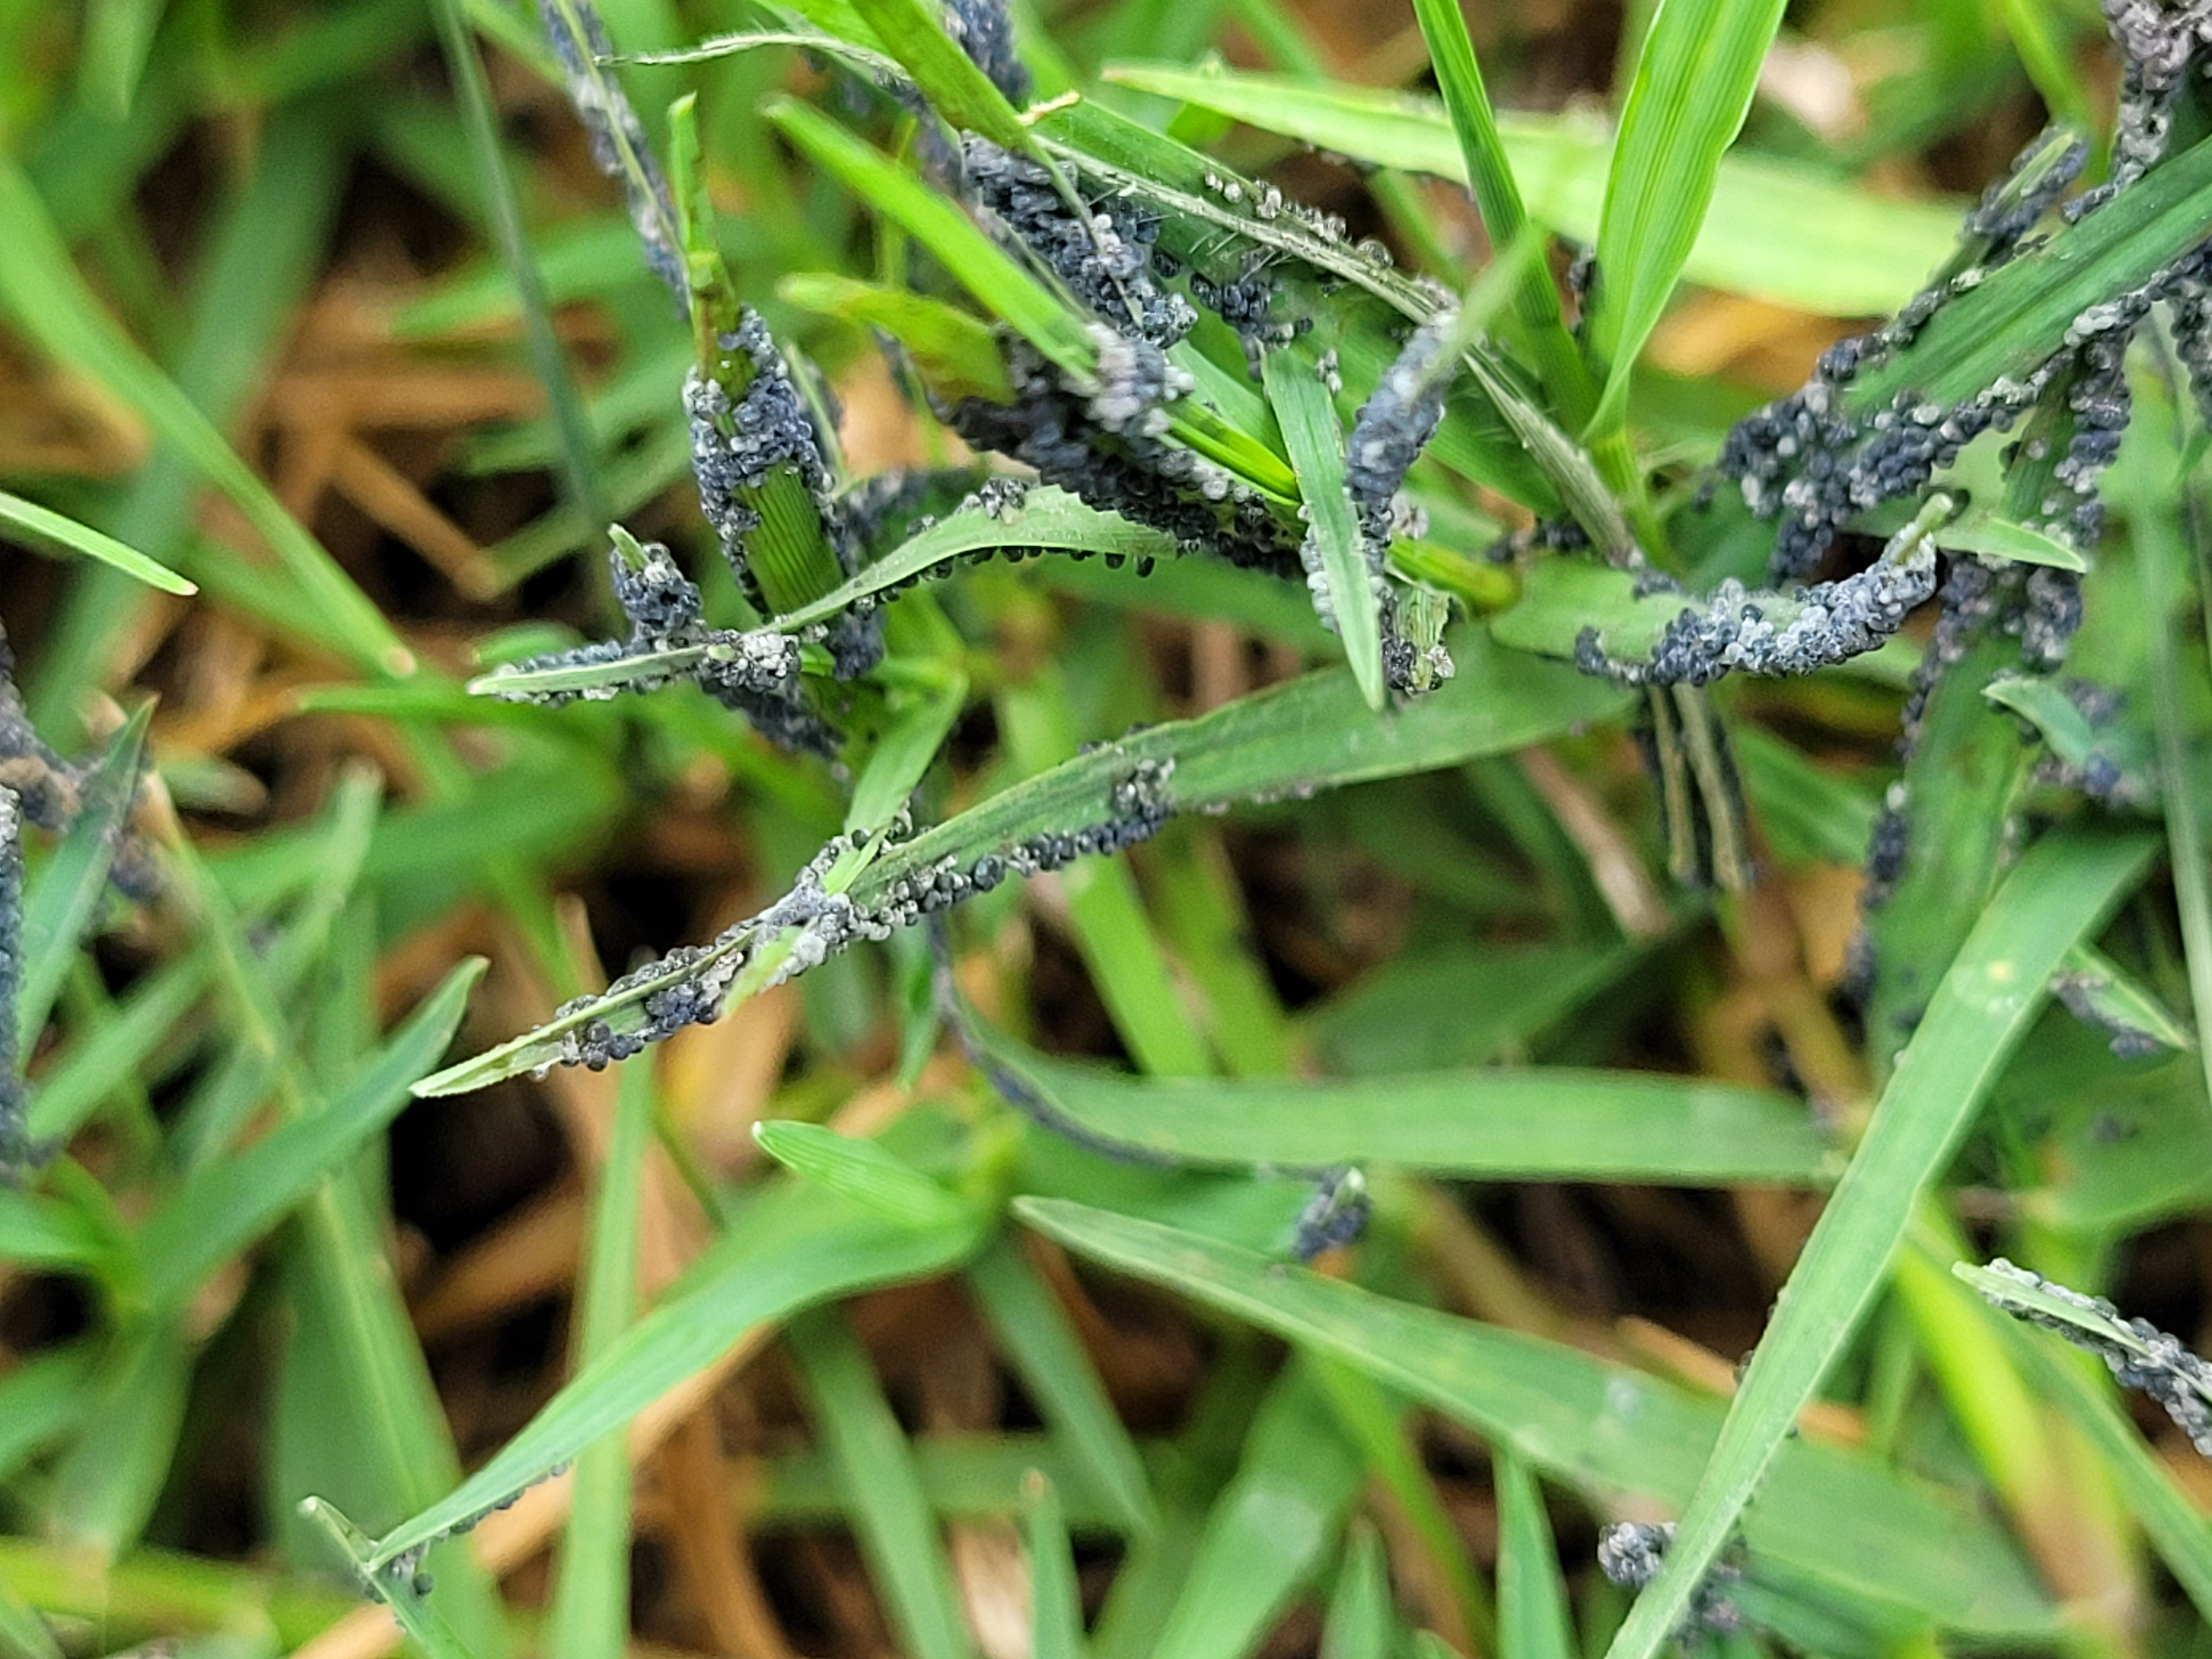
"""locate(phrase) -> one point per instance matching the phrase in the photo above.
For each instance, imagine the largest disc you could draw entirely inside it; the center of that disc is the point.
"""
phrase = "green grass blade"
(41, 290)
(1034, 1333)
(1377, 1422)
(1494, 1124)
(955, 87)
(1532, 1598)
(423, 1624)
(229, 1202)
(580, 468)
(47, 526)
(999, 285)
(1838, 1518)
(1055, 1599)
(921, 719)
(1310, 733)
(1489, 172)
(1045, 518)
(794, 1246)
(863, 1170)
(60, 906)
(1271, 1529)
(874, 1464)
(2014, 320)
(2054, 898)
(1307, 419)
(2177, 1529)
(106, 1486)
(1113, 930)
(1359, 1624)
(952, 352)
(1690, 92)
(2151, 489)
(1776, 230)
(592, 1580)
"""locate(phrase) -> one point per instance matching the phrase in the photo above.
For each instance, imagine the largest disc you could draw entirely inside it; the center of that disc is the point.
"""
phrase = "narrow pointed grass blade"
(2055, 896)
(1038, 1341)
(61, 905)
(591, 1602)
(1048, 518)
(46, 525)
(424, 1625)
(1689, 96)
(226, 1203)
(1310, 733)
(1055, 1599)
(1496, 1123)
(1269, 1531)
(1377, 1422)
(1489, 172)
(1775, 231)
(1315, 442)
(1360, 1624)
(495, 185)
(1533, 1622)
(884, 1497)
(869, 1173)
(2176, 1527)
(1841, 1518)
(2019, 315)
(792, 1246)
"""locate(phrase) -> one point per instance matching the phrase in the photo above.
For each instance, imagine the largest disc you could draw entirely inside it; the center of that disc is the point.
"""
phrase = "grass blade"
(1270, 1530)
(1532, 1598)
(1775, 231)
(1359, 1624)
(1045, 518)
(591, 1577)
(999, 284)
(2054, 898)
(1034, 1333)
(1310, 733)
(1690, 92)
(1838, 1519)
(229, 1202)
(1055, 1602)
(794, 1246)
(1493, 1124)
(1489, 172)
(890, 1513)
(863, 1170)
(60, 907)
(579, 466)
(423, 1624)
(48, 525)
(1315, 442)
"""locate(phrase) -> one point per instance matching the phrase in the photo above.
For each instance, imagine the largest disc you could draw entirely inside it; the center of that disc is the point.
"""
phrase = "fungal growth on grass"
(754, 672)
(2137, 1353)
(812, 922)
(986, 33)
(1106, 263)
(1631, 1554)
(15, 1094)
(617, 138)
